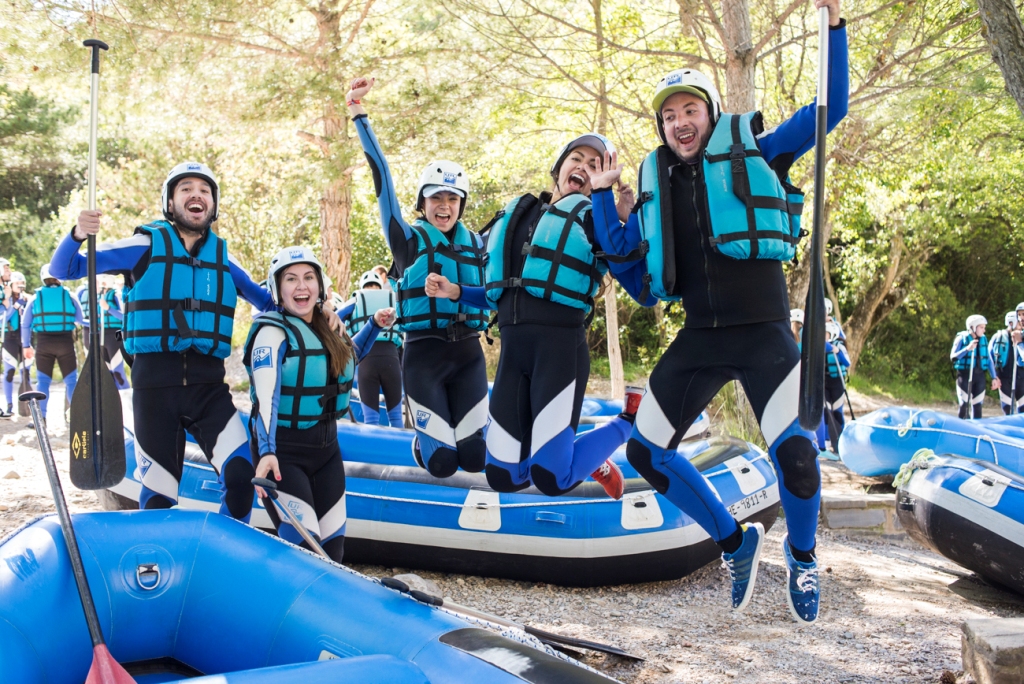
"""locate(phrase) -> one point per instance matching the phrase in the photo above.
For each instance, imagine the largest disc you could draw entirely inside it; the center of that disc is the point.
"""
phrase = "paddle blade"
(106, 670)
(106, 467)
(26, 386)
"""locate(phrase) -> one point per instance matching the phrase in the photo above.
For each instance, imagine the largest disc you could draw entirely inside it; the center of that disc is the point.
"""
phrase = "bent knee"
(472, 452)
(443, 462)
(798, 462)
(640, 457)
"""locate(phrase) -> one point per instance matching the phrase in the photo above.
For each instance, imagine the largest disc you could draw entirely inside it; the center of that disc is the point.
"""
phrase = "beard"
(190, 223)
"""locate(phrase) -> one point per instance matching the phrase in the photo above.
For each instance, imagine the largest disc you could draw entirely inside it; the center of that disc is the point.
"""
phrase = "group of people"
(837, 372)
(973, 355)
(713, 222)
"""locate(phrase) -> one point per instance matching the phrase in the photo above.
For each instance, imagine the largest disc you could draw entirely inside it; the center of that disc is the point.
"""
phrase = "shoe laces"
(730, 565)
(807, 579)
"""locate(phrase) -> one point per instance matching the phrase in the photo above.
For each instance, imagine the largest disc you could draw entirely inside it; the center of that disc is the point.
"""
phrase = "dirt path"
(891, 611)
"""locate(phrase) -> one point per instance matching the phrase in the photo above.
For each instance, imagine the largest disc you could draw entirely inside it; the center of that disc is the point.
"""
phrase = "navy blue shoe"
(804, 589)
(742, 564)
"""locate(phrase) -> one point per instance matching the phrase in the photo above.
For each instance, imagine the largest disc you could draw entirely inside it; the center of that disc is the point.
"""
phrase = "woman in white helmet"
(444, 369)
(12, 315)
(300, 374)
(381, 371)
(542, 275)
(970, 357)
(796, 324)
(1007, 360)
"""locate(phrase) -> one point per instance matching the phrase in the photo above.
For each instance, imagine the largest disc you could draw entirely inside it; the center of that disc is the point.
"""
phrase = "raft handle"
(426, 598)
(396, 584)
(148, 576)
(545, 516)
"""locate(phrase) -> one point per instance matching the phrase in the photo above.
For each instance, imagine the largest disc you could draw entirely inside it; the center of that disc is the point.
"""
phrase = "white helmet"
(189, 169)
(441, 175)
(288, 257)
(1020, 307)
(44, 274)
(828, 306)
(596, 141)
(1010, 319)
(370, 278)
(796, 316)
(17, 277)
(974, 321)
(685, 81)
(832, 330)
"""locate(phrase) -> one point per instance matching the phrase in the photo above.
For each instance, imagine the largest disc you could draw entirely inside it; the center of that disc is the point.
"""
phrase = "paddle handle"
(91, 618)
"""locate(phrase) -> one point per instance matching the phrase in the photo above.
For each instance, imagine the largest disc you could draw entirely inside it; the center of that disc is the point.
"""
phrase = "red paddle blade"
(106, 670)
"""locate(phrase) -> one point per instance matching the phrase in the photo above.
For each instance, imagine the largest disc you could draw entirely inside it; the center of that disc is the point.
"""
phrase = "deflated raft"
(400, 515)
(181, 594)
(968, 510)
(880, 442)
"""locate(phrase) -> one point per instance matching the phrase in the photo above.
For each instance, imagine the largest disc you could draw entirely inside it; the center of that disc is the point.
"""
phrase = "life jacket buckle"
(192, 304)
(528, 249)
(645, 196)
(737, 151)
(515, 282)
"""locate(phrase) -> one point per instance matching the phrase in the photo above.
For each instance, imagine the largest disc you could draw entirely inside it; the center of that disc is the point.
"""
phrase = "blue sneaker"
(804, 589)
(742, 564)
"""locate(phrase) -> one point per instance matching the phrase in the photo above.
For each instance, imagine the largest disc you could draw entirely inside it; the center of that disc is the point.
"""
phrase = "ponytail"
(339, 347)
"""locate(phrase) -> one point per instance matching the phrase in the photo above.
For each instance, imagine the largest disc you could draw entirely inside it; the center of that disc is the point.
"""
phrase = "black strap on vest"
(60, 317)
(328, 394)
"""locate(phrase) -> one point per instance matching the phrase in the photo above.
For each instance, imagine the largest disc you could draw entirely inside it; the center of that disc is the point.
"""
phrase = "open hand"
(608, 171)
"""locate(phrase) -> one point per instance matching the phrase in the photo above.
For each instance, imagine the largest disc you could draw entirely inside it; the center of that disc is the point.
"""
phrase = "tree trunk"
(611, 307)
(336, 210)
(1005, 37)
(740, 59)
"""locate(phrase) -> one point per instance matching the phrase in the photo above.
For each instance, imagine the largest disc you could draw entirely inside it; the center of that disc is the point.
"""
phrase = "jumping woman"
(542, 274)
(300, 375)
(444, 369)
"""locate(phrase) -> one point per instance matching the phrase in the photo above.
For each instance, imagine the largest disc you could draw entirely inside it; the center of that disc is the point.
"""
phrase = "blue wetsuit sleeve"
(69, 264)
(474, 296)
(795, 135)
(266, 382)
(959, 348)
(397, 232)
(249, 289)
(364, 339)
(345, 312)
(26, 326)
(116, 311)
(619, 239)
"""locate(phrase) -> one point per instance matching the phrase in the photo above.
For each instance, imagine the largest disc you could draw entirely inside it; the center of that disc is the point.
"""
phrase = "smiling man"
(716, 219)
(180, 298)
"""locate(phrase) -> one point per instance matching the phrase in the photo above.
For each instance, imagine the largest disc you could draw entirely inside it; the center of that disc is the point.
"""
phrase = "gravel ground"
(891, 611)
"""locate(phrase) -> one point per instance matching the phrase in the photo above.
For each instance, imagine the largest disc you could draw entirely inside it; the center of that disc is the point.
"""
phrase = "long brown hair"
(339, 348)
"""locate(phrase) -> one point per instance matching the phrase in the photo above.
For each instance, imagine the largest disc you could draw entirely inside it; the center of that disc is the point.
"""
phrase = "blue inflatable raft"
(880, 442)
(183, 594)
(401, 516)
(969, 510)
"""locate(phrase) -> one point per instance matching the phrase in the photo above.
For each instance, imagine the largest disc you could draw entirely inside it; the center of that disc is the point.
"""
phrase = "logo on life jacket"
(448, 178)
(261, 358)
(422, 418)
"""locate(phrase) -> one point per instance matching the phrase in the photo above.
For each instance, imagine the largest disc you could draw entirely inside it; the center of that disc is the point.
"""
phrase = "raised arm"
(367, 335)
(397, 232)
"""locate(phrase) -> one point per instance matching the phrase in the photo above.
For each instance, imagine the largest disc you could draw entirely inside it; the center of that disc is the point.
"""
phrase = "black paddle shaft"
(91, 618)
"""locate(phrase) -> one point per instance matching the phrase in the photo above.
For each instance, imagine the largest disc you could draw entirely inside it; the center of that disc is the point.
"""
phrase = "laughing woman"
(444, 370)
(300, 375)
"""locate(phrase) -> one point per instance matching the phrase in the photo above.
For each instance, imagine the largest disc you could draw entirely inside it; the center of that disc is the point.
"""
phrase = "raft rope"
(552, 501)
(922, 460)
(903, 428)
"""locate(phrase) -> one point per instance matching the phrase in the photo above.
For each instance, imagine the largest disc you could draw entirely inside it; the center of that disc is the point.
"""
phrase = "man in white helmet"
(1006, 358)
(12, 315)
(182, 288)
(715, 220)
(971, 359)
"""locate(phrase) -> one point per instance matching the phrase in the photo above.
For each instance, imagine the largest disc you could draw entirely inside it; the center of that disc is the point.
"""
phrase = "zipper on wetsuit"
(184, 368)
(700, 233)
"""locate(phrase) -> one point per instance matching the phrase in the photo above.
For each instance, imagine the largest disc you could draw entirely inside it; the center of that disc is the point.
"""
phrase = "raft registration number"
(752, 501)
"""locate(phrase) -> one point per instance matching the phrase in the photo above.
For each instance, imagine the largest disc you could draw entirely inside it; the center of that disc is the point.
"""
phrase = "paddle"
(104, 669)
(97, 442)
(970, 388)
(812, 352)
(556, 640)
(26, 386)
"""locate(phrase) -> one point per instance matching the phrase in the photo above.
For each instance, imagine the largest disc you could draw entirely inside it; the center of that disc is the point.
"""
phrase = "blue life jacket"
(309, 394)
(83, 300)
(53, 310)
(560, 264)
(832, 367)
(369, 302)
(754, 213)
(109, 321)
(181, 302)
(13, 322)
(460, 260)
(963, 338)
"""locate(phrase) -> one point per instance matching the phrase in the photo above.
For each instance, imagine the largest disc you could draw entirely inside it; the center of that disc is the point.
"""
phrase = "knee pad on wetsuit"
(150, 500)
(500, 480)
(9, 375)
(440, 459)
(472, 452)
(547, 482)
(238, 488)
(640, 454)
(797, 459)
